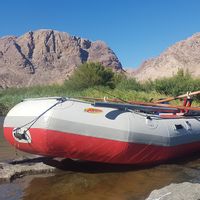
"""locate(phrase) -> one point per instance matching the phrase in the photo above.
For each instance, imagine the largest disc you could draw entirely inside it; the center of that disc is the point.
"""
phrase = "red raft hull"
(69, 145)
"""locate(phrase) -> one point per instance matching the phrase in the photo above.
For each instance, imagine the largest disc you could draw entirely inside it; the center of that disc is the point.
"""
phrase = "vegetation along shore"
(94, 80)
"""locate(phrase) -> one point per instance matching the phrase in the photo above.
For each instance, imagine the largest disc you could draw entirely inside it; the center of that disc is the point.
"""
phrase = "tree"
(90, 74)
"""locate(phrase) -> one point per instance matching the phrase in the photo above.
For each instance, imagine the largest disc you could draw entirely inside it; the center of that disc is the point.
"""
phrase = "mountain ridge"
(184, 54)
(48, 56)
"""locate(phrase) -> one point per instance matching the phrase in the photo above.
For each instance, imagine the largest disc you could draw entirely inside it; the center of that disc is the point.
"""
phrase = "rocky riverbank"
(28, 166)
(80, 176)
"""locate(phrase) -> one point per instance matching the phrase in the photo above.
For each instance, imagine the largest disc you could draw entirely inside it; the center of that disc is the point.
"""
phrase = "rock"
(181, 191)
(182, 55)
(22, 167)
(48, 56)
(99, 52)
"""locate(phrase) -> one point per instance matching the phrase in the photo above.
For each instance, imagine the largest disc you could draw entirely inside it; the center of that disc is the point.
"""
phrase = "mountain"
(48, 56)
(182, 55)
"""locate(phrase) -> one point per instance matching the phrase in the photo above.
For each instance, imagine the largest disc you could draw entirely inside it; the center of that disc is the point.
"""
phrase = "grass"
(12, 96)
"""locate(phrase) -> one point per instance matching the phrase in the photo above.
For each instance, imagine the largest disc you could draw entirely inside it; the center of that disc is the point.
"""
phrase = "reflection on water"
(121, 185)
(10, 191)
(7, 152)
(99, 181)
(87, 180)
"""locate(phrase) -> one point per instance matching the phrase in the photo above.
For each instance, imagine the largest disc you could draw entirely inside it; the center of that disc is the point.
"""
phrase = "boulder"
(21, 167)
(181, 191)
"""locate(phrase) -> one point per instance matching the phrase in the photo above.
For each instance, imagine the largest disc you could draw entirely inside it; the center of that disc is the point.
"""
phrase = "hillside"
(46, 56)
(182, 55)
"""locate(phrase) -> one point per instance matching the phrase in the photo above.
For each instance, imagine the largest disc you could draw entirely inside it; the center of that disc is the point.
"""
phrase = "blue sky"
(135, 29)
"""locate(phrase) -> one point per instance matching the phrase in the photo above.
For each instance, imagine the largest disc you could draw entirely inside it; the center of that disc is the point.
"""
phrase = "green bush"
(90, 74)
(181, 83)
(129, 84)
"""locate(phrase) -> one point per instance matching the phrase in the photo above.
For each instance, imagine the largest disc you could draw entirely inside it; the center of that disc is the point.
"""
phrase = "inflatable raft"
(102, 131)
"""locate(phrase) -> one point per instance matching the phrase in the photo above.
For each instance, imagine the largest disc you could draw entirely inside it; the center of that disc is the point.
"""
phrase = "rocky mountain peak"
(182, 55)
(48, 56)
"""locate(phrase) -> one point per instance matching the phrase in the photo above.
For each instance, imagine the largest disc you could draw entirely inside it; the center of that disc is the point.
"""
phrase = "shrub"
(129, 84)
(181, 83)
(90, 74)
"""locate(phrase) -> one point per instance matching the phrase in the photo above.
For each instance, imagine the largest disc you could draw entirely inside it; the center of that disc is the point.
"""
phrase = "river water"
(86, 180)
(7, 152)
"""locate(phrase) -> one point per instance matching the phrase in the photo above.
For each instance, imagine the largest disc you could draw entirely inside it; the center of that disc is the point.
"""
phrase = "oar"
(105, 99)
(178, 97)
(165, 105)
(142, 103)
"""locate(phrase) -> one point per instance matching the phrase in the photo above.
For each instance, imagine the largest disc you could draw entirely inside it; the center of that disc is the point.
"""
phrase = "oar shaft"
(166, 106)
(143, 103)
(178, 97)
